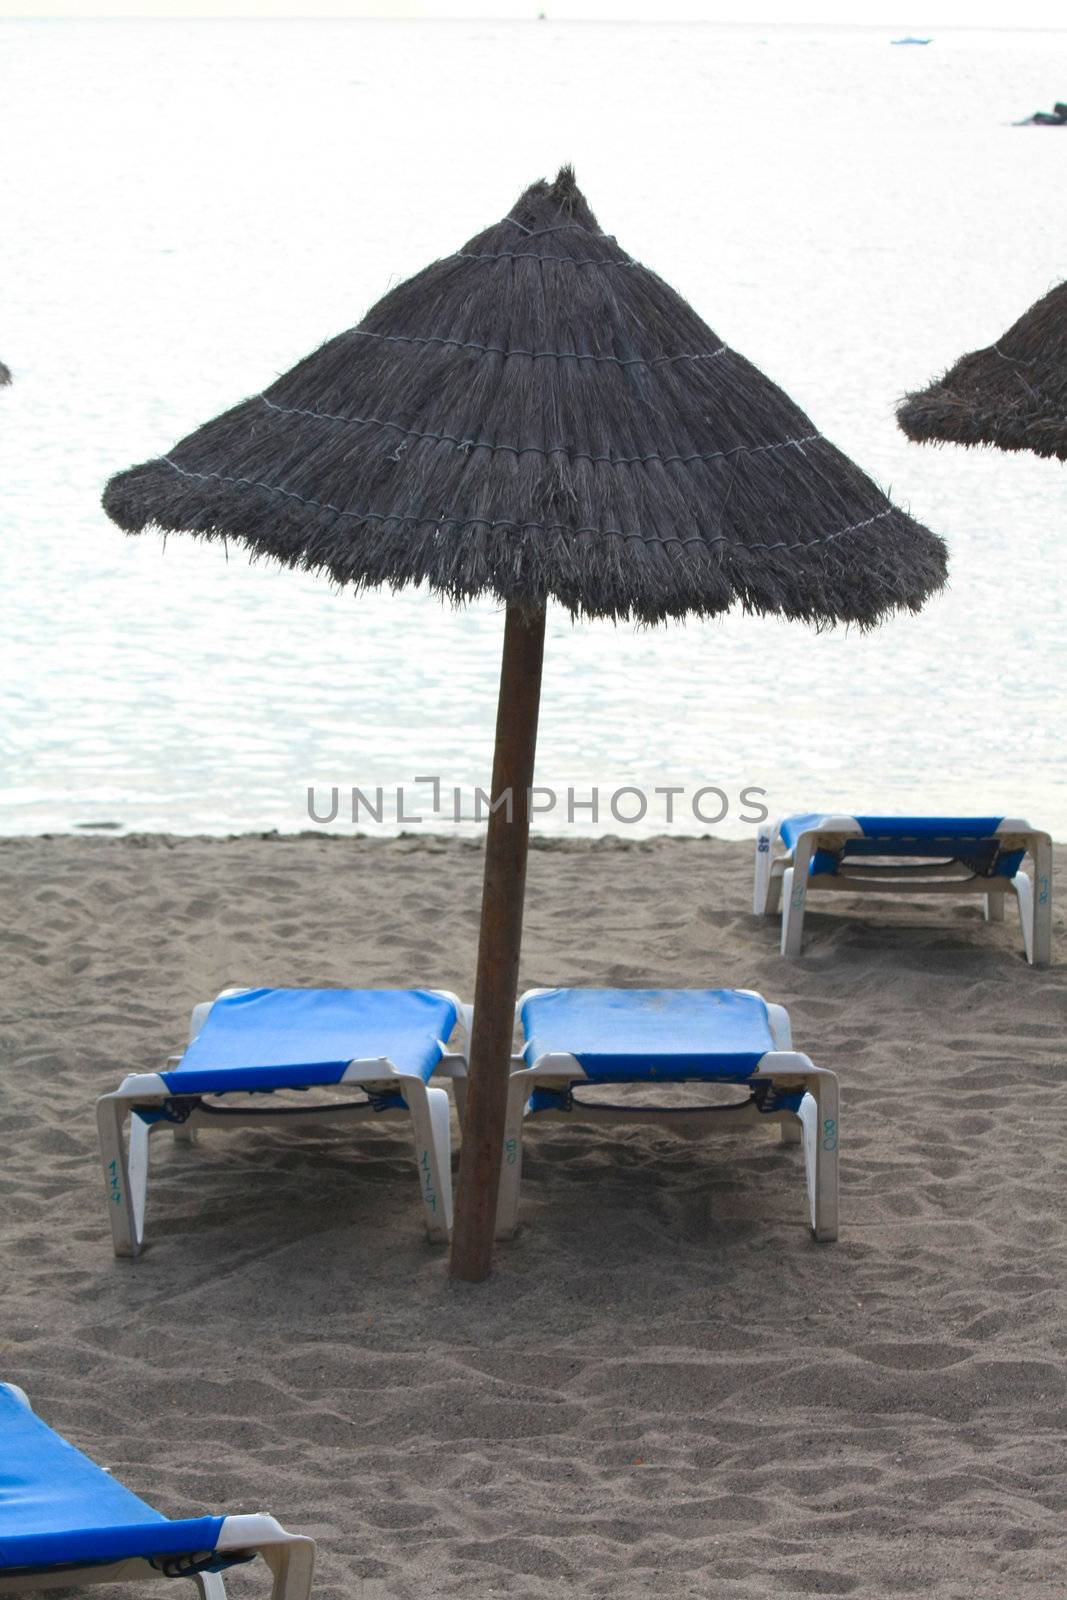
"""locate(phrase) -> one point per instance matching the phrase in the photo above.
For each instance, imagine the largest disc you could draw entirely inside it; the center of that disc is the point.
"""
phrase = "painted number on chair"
(1043, 889)
(511, 1152)
(829, 1134)
(429, 1193)
(114, 1187)
(797, 897)
(763, 844)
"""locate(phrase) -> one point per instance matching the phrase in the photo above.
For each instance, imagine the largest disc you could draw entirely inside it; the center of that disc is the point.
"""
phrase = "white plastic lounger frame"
(783, 879)
(290, 1557)
(816, 1124)
(426, 1108)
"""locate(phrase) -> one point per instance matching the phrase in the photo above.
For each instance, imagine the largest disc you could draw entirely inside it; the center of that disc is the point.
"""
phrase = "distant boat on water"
(910, 40)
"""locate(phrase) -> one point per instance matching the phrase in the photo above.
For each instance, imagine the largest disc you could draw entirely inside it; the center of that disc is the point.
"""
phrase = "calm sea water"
(187, 208)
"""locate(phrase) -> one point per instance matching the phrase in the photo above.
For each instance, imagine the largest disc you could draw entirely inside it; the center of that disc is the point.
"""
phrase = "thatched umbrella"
(5, 375)
(1013, 394)
(539, 417)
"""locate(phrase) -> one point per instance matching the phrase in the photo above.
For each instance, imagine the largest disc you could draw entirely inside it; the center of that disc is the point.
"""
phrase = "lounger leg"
(1042, 939)
(794, 894)
(820, 1118)
(774, 889)
(293, 1566)
(441, 1126)
(993, 907)
(183, 1134)
(210, 1585)
(790, 1129)
(1024, 894)
(459, 1085)
(140, 1133)
(125, 1173)
(762, 884)
(507, 1204)
(433, 1154)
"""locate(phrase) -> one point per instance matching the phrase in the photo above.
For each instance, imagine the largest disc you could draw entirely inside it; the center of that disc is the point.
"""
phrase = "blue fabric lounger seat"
(65, 1522)
(817, 851)
(639, 1035)
(576, 1037)
(384, 1043)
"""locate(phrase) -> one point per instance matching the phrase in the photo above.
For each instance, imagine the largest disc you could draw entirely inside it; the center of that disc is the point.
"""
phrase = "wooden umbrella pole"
(499, 944)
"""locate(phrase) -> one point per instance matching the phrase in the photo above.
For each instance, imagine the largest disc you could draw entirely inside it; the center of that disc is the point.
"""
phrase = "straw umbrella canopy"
(537, 417)
(1012, 395)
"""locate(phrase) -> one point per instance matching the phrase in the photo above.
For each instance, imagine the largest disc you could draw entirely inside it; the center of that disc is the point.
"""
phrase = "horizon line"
(534, 16)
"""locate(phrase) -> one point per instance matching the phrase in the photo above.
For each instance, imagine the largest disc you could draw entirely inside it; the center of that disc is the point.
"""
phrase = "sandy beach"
(666, 1388)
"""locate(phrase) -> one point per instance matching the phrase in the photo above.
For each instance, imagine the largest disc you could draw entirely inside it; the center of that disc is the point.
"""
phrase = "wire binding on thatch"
(539, 416)
(1013, 394)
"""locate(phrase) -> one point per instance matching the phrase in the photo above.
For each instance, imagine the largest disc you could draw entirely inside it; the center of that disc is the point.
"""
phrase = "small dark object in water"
(1056, 118)
(100, 827)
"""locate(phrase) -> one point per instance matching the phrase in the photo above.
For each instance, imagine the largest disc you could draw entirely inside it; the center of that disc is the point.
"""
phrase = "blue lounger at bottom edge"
(64, 1519)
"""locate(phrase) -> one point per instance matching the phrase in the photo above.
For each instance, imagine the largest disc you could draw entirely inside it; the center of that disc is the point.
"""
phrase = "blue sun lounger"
(385, 1044)
(819, 851)
(574, 1038)
(66, 1523)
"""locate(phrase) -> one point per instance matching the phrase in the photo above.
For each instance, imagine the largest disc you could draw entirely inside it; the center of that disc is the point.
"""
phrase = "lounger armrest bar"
(141, 1086)
(252, 1531)
(290, 1556)
(556, 1064)
(786, 1063)
(370, 1069)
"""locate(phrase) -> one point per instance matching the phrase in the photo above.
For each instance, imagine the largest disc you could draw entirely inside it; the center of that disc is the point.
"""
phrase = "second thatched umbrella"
(537, 417)
(5, 375)
(1012, 394)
